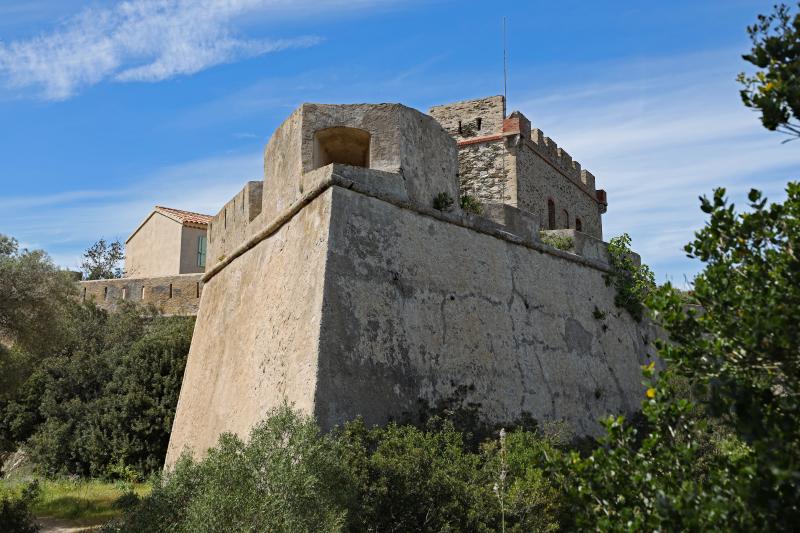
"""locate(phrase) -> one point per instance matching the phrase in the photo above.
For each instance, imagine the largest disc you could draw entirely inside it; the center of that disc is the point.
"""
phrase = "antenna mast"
(505, 63)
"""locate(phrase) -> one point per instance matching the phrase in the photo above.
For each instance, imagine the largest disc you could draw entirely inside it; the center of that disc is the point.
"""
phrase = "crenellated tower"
(502, 160)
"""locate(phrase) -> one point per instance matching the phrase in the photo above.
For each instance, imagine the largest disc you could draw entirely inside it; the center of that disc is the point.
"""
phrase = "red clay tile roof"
(184, 217)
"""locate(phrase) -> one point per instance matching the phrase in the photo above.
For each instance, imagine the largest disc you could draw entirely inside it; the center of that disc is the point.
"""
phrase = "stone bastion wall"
(357, 301)
(348, 294)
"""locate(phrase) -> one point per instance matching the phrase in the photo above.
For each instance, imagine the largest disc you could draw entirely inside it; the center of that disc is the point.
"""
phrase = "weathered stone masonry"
(171, 295)
(347, 294)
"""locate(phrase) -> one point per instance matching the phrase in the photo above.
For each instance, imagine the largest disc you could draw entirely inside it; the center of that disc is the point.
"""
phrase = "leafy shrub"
(741, 351)
(773, 89)
(412, 480)
(560, 242)
(471, 204)
(290, 477)
(287, 477)
(731, 462)
(15, 510)
(669, 474)
(633, 282)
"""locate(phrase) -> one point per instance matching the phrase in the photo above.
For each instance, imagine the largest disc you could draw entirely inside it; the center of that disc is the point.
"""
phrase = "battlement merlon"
(231, 225)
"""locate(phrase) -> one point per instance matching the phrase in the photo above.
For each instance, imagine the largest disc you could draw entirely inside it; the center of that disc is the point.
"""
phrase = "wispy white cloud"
(658, 133)
(73, 220)
(27, 202)
(141, 40)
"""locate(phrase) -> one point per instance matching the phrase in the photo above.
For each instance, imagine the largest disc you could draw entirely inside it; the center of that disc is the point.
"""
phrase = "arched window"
(578, 224)
(348, 146)
(551, 214)
(565, 217)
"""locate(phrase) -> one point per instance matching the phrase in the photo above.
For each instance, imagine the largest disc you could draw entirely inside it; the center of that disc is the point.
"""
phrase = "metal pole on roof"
(505, 64)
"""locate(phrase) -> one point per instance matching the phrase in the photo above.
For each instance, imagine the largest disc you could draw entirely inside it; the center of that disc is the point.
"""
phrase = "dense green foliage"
(743, 349)
(774, 89)
(16, 515)
(675, 470)
(721, 451)
(87, 392)
(289, 477)
(106, 401)
(34, 296)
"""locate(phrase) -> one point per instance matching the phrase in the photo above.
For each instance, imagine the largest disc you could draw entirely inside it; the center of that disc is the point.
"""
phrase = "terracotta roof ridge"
(186, 216)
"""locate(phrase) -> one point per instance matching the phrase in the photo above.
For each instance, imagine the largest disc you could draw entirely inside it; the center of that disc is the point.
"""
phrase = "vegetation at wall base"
(290, 477)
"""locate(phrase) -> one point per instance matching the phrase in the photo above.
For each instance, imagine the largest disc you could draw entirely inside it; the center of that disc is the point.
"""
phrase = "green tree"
(673, 472)
(774, 89)
(102, 259)
(743, 348)
(731, 462)
(34, 295)
(104, 404)
(36, 299)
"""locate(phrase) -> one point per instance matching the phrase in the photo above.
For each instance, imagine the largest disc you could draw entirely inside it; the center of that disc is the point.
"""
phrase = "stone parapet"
(170, 295)
(583, 245)
(389, 138)
(547, 148)
(231, 224)
(506, 222)
(471, 118)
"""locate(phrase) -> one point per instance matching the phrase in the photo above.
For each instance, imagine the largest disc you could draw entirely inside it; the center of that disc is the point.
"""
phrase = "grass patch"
(85, 500)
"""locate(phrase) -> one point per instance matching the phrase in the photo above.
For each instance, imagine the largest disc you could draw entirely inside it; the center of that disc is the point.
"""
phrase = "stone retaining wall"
(171, 295)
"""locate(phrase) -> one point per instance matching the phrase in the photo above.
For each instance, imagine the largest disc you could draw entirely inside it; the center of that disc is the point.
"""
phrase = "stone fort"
(350, 281)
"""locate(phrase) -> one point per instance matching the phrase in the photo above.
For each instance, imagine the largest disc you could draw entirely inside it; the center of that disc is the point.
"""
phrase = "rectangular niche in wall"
(347, 146)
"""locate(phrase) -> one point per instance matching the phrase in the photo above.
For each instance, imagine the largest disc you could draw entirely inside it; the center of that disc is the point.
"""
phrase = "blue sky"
(107, 109)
